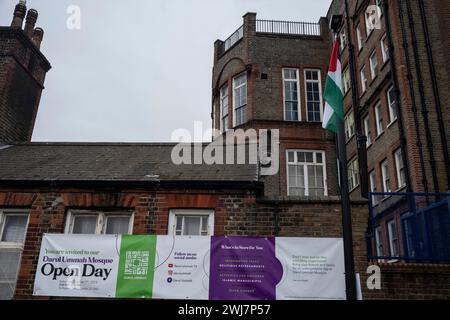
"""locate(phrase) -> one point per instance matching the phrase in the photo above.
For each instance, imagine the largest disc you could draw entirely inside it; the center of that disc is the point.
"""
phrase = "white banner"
(190, 267)
(77, 266)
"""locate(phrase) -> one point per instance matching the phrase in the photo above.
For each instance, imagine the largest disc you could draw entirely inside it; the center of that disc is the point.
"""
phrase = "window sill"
(400, 188)
(369, 34)
(386, 197)
(363, 93)
(373, 79)
(360, 49)
(392, 122)
(379, 136)
(353, 189)
(347, 140)
(346, 93)
(385, 63)
(369, 145)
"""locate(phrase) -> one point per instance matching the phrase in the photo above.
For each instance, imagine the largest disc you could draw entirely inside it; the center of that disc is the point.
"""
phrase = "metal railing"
(410, 227)
(235, 37)
(288, 27)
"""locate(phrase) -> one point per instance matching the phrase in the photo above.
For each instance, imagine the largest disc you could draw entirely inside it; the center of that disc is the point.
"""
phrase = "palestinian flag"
(334, 97)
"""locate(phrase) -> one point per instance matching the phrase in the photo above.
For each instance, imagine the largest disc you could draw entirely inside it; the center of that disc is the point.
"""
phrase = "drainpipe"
(360, 137)
(437, 98)
(428, 136)
(398, 107)
(413, 99)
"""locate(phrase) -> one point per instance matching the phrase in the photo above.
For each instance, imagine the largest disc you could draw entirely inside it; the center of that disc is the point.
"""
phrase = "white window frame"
(399, 160)
(386, 179)
(373, 186)
(391, 106)
(379, 242)
(359, 37)
(342, 39)
(367, 130)
(393, 238)
(379, 118)
(242, 74)
(297, 81)
(369, 30)
(346, 80)
(373, 61)
(379, 4)
(364, 80)
(353, 174)
(221, 99)
(384, 52)
(349, 125)
(305, 169)
(102, 218)
(13, 246)
(319, 81)
(171, 230)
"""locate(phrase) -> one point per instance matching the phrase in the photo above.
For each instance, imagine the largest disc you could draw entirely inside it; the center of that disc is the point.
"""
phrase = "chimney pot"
(30, 22)
(19, 14)
(38, 34)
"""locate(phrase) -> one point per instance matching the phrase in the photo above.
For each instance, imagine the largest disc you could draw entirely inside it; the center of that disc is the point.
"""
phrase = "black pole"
(350, 280)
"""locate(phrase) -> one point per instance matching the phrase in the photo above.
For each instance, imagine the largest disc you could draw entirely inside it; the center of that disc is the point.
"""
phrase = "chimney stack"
(19, 14)
(30, 22)
(38, 34)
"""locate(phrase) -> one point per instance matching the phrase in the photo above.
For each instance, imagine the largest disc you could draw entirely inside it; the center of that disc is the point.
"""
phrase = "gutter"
(120, 184)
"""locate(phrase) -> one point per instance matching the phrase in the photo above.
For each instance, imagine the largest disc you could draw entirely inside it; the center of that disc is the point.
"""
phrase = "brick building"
(396, 83)
(263, 77)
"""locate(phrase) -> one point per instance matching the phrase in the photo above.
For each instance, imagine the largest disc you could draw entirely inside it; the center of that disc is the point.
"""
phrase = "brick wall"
(263, 53)
(236, 213)
(22, 75)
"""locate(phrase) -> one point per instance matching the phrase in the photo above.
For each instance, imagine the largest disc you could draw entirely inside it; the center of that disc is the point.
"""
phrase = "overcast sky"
(137, 69)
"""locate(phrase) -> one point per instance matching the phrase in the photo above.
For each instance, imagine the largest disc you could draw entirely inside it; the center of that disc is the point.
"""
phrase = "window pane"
(191, 226)
(313, 100)
(84, 224)
(9, 262)
(311, 177)
(204, 224)
(290, 156)
(319, 157)
(290, 74)
(179, 225)
(14, 230)
(117, 225)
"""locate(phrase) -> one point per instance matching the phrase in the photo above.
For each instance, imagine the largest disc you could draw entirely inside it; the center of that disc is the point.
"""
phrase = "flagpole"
(350, 280)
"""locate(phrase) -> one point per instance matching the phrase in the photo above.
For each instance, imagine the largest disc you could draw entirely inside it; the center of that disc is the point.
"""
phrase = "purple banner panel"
(243, 268)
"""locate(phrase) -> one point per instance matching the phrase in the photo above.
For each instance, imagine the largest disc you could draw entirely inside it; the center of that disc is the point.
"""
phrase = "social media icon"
(170, 265)
(169, 280)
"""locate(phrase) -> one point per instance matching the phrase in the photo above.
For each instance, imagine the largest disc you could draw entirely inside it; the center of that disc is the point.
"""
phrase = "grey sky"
(139, 69)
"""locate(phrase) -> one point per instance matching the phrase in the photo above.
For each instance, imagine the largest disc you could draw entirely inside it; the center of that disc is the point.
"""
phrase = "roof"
(113, 162)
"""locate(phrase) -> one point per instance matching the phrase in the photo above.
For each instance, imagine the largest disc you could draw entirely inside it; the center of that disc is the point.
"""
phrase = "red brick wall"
(236, 213)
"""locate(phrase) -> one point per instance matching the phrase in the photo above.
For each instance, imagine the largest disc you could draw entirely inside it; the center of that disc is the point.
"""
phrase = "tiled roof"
(109, 162)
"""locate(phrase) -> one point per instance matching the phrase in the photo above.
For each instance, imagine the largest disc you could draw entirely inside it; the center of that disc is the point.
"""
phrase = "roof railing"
(235, 37)
(288, 27)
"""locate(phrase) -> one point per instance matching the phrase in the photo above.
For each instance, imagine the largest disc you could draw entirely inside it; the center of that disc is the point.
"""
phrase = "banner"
(190, 267)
